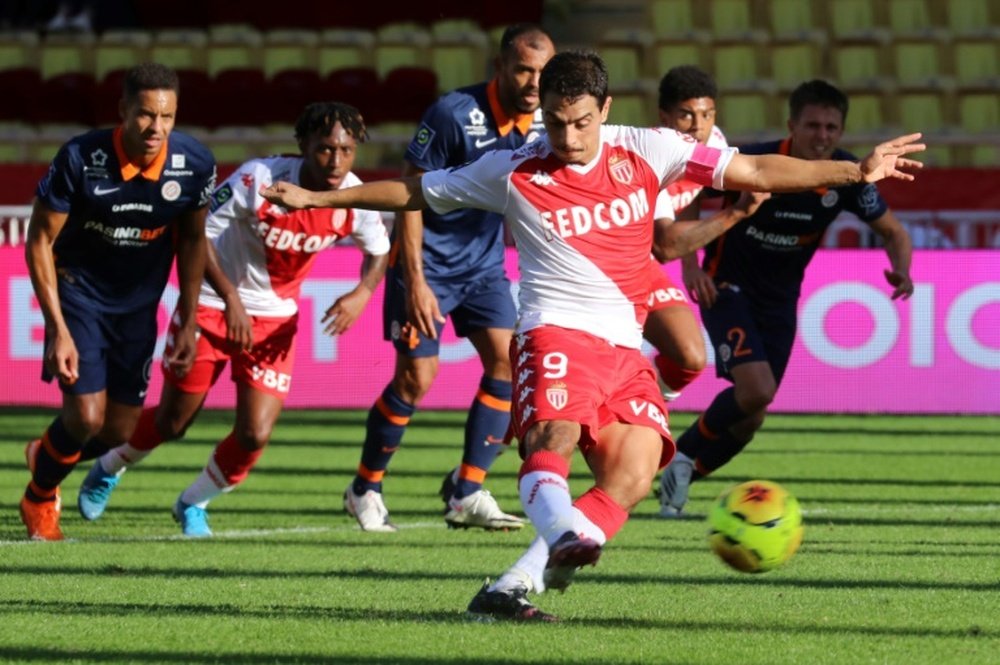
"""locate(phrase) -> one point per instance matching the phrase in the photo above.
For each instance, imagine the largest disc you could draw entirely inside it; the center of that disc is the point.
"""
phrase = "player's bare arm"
(395, 195)
(421, 303)
(780, 173)
(238, 327)
(61, 357)
(345, 310)
(679, 238)
(192, 252)
(899, 249)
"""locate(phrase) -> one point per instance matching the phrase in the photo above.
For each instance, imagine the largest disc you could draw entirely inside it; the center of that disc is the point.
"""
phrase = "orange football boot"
(30, 454)
(42, 519)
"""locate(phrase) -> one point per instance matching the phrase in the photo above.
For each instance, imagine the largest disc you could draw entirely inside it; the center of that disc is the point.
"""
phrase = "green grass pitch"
(900, 562)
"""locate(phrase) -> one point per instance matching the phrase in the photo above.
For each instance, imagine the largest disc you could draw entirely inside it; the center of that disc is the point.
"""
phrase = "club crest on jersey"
(621, 170)
(830, 198)
(557, 395)
(171, 190)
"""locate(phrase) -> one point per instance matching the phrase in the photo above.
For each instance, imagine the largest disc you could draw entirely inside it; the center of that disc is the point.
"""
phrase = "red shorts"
(662, 290)
(266, 367)
(562, 374)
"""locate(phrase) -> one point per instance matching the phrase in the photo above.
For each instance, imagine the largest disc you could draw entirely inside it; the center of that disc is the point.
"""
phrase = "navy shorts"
(116, 351)
(485, 302)
(742, 331)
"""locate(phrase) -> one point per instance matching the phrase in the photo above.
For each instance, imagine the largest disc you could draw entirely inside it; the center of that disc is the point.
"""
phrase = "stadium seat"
(460, 59)
(735, 65)
(232, 47)
(796, 20)
(62, 53)
(979, 112)
(918, 62)
(234, 145)
(179, 48)
(748, 116)
(972, 18)
(867, 115)
(858, 65)
(794, 62)
(241, 98)
(18, 48)
(358, 86)
(202, 110)
(624, 52)
(389, 143)
(449, 27)
(120, 49)
(107, 94)
(21, 87)
(634, 103)
(922, 112)
(14, 141)
(854, 20)
(65, 99)
(289, 49)
(406, 92)
(976, 62)
(675, 19)
(344, 48)
(668, 54)
(401, 45)
(734, 19)
(290, 90)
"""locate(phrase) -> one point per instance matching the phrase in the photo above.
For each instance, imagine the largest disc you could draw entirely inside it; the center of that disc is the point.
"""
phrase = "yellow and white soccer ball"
(755, 526)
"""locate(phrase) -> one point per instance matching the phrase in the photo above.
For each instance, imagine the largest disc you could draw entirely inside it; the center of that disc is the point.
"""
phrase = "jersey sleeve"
(483, 184)
(435, 143)
(664, 206)
(59, 184)
(232, 200)
(369, 232)
(674, 156)
(865, 202)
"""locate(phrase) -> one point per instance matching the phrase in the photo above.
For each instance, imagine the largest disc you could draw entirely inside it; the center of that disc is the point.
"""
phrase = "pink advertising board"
(856, 351)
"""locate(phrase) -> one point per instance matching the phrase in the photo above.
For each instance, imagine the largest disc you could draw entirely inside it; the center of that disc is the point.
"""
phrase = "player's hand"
(700, 286)
(887, 158)
(62, 360)
(288, 195)
(239, 329)
(422, 308)
(181, 358)
(345, 310)
(750, 201)
(903, 284)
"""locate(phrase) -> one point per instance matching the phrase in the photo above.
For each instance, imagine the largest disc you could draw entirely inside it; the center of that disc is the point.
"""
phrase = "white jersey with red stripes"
(583, 232)
(680, 194)
(267, 251)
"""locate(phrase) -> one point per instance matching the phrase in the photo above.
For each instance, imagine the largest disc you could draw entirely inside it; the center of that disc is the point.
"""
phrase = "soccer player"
(452, 264)
(686, 103)
(755, 272)
(579, 202)
(248, 309)
(107, 218)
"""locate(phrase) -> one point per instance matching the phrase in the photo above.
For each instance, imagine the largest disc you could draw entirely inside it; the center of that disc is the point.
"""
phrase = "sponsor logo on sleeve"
(221, 196)
(421, 141)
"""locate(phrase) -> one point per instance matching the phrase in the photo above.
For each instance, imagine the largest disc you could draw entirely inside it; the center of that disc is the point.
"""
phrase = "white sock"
(526, 571)
(583, 526)
(547, 502)
(205, 487)
(118, 459)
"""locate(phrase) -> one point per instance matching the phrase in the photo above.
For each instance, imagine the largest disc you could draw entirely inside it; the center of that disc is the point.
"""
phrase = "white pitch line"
(227, 535)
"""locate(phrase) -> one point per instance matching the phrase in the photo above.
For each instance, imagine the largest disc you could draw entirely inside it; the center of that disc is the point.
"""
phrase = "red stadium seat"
(357, 86)
(66, 99)
(242, 98)
(406, 92)
(21, 87)
(290, 90)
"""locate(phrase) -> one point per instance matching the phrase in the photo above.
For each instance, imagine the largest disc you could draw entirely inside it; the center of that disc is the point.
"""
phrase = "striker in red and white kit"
(583, 235)
(673, 198)
(266, 252)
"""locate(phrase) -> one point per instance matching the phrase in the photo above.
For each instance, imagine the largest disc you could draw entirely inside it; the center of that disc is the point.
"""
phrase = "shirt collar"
(130, 170)
(505, 124)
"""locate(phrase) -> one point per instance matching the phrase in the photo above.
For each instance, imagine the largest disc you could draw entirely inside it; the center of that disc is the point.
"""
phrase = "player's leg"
(263, 378)
(468, 504)
(416, 368)
(180, 401)
(54, 455)
(673, 330)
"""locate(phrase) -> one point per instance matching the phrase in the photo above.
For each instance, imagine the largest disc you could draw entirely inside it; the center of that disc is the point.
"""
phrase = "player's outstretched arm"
(397, 194)
(780, 173)
(679, 238)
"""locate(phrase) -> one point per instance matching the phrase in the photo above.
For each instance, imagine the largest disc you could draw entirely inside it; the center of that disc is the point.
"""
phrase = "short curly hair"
(685, 82)
(320, 117)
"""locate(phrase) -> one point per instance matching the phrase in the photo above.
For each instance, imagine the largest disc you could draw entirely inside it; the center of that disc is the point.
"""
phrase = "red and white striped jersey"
(267, 251)
(583, 232)
(680, 194)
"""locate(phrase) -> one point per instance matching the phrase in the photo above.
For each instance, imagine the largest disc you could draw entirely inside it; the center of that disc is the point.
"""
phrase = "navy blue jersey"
(458, 128)
(766, 254)
(117, 245)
